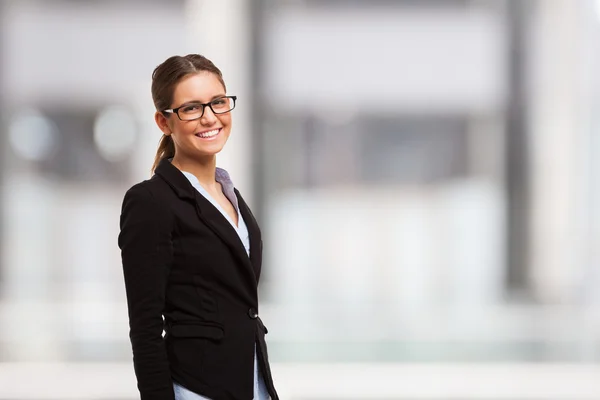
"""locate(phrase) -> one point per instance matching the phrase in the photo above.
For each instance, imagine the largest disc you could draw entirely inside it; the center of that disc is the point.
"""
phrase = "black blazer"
(183, 260)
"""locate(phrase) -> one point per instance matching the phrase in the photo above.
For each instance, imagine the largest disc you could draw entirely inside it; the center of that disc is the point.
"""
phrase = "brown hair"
(164, 79)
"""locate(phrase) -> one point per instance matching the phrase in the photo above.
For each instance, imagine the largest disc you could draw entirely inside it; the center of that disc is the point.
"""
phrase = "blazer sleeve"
(146, 253)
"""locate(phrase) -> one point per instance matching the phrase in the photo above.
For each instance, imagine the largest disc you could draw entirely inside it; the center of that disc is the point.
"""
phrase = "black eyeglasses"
(192, 111)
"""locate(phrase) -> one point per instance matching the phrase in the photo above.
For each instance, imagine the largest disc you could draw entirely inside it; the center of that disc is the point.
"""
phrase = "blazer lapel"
(219, 225)
(253, 233)
(208, 214)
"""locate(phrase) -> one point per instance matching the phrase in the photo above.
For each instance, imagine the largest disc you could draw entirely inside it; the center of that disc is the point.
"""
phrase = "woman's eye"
(190, 108)
(219, 102)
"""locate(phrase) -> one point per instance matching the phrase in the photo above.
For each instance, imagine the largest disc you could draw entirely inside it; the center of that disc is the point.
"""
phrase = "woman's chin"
(209, 152)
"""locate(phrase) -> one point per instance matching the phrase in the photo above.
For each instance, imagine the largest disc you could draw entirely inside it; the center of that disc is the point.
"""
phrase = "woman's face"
(202, 137)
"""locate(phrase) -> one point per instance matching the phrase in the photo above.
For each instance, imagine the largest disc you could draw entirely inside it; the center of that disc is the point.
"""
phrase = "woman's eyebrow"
(199, 102)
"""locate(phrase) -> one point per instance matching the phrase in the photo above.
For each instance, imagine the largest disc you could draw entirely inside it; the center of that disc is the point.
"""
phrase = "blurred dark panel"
(257, 60)
(517, 149)
(258, 124)
(413, 150)
(368, 149)
(2, 139)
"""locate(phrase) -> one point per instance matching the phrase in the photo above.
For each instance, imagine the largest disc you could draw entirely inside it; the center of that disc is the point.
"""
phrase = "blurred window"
(73, 145)
(405, 150)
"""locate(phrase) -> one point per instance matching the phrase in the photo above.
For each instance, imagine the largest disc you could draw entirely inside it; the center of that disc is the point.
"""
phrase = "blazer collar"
(173, 176)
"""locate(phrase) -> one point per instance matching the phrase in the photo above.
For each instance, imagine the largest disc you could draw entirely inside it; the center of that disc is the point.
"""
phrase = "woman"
(192, 252)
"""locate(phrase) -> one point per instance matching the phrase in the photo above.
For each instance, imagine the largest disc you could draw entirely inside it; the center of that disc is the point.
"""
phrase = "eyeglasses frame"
(209, 104)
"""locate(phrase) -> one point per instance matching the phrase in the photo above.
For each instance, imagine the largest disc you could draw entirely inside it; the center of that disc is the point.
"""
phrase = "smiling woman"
(185, 86)
(192, 251)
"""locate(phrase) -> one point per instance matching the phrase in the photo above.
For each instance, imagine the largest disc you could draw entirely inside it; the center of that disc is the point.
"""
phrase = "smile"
(208, 134)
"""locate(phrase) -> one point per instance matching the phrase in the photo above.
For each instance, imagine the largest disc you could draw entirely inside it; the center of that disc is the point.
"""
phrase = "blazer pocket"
(197, 330)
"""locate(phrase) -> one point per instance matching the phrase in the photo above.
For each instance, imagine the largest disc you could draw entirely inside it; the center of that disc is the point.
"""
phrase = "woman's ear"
(162, 122)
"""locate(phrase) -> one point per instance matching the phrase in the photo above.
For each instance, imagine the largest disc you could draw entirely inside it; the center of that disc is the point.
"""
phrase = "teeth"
(208, 134)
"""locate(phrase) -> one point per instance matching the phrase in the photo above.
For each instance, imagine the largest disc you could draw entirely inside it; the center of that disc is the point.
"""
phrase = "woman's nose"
(209, 117)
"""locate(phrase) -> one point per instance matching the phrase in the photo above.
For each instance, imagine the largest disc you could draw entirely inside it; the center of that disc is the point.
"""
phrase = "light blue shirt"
(222, 176)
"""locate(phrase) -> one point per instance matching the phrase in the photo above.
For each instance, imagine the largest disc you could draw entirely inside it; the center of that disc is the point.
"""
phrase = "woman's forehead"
(203, 87)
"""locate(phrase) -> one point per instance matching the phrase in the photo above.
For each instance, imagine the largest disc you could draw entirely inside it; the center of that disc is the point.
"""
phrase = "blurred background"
(426, 174)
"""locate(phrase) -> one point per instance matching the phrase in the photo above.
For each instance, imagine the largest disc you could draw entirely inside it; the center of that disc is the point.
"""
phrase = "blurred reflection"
(114, 133)
(32, 135)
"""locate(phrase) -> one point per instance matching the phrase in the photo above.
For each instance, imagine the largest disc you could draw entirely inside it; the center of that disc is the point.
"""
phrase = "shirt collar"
(221, 176)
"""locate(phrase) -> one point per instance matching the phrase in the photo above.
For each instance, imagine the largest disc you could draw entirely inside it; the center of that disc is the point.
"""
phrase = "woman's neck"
(203, 169)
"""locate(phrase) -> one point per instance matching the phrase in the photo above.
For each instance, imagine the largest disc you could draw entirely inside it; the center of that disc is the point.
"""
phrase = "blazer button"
(252, 313)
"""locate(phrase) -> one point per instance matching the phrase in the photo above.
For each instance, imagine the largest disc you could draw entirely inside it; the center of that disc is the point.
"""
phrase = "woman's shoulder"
(143, 213)
(151, 190)
(146, 200)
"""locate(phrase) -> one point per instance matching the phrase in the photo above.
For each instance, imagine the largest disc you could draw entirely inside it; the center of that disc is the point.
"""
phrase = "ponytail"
(166, 149)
